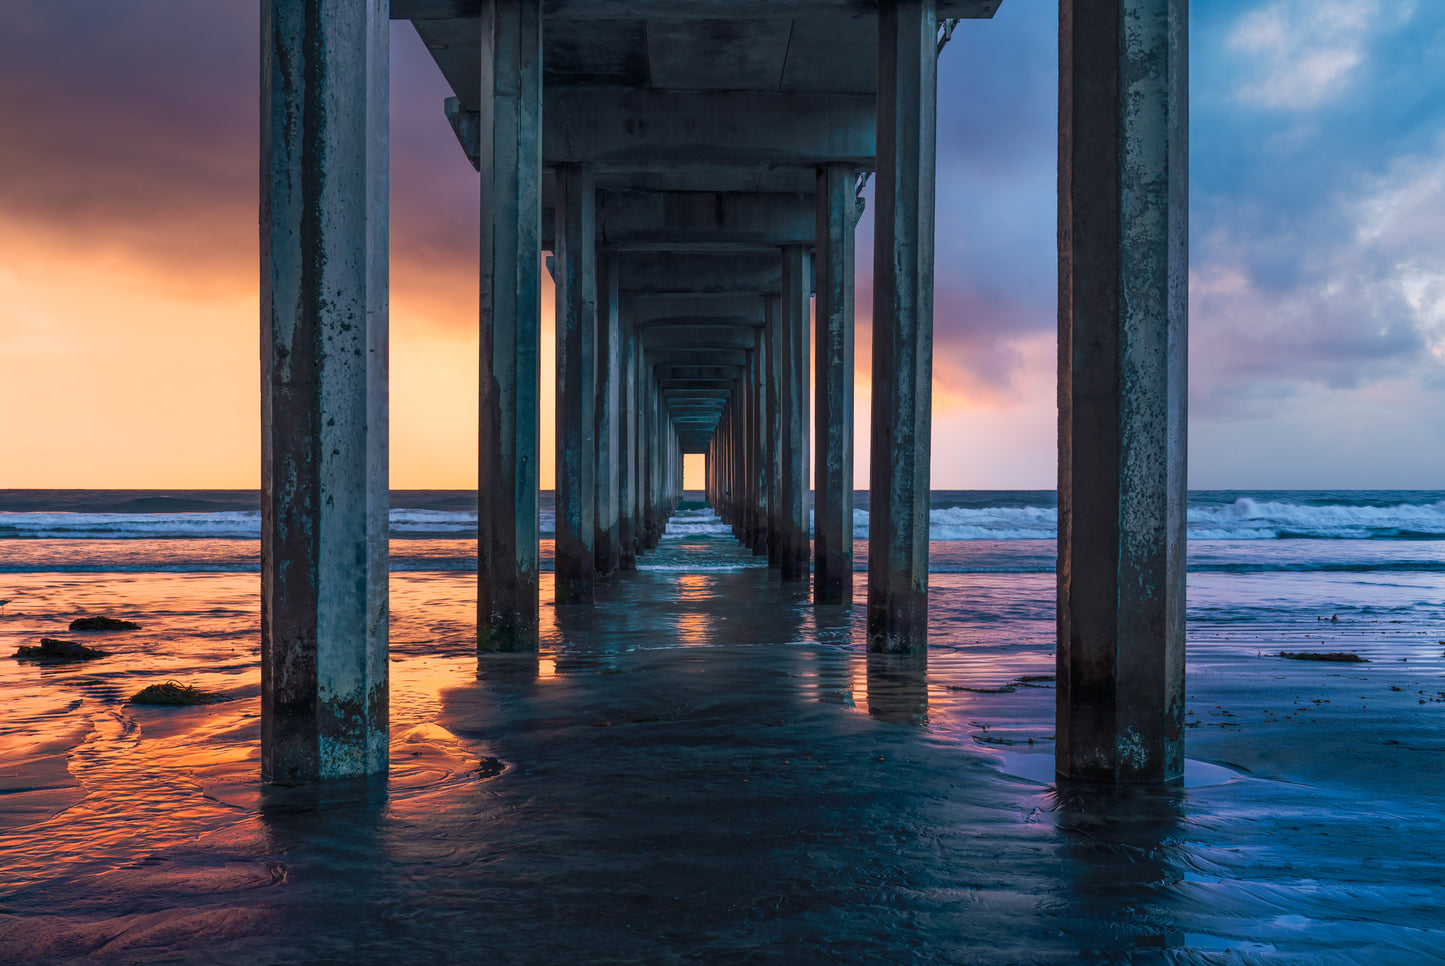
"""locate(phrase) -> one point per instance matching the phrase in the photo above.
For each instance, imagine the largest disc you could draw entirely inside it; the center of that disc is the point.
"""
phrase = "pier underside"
(693, 173)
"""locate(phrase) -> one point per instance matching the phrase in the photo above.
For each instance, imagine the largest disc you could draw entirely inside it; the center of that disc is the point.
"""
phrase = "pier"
(693, 171)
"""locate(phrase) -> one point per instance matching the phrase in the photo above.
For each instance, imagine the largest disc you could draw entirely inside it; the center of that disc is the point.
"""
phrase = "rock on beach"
(52, 649)
(103, 624)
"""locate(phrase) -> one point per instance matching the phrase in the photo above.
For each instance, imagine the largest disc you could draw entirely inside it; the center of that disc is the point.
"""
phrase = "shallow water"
(703, 766)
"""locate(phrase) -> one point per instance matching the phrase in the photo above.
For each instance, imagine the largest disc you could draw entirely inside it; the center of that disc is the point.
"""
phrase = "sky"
(128, 250)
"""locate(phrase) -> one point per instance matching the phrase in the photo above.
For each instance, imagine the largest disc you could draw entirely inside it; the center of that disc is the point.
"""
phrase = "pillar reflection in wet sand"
(898, 687)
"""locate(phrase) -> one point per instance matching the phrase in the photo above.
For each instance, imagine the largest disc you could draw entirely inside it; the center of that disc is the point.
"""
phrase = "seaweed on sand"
(174, 693)
(1342, 657)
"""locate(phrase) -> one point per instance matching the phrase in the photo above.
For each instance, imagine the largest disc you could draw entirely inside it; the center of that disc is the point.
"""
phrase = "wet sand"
(705, 768)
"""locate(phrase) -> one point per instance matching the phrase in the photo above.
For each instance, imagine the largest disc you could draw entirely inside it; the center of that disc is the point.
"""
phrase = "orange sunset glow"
(129, 292)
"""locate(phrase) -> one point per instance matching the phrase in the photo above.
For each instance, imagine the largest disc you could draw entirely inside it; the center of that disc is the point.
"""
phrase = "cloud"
(1363, 301)
(1303, 53)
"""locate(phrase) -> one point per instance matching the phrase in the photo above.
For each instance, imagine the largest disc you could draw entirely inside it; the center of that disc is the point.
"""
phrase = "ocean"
(704, 766)
(971, 531)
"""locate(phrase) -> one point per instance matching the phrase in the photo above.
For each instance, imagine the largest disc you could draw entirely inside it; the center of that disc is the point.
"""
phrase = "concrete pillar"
(609, 370)
(324, 77)
(656, 455)
(773, 326)
(575, 259)
(510, 153)
(648, 466)
(1123, 310)
(902, 328)
(796, 560)
(762, 418)
(626, 451)
(747, 389)
(833, 409)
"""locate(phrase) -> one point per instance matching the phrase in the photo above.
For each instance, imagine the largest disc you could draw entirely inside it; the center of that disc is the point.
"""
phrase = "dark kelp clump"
(51, 649)
(173, 693)
(1341, 657)
(103, 624)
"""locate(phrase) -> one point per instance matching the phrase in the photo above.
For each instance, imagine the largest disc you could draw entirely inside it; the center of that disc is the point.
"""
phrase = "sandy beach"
(704, 767)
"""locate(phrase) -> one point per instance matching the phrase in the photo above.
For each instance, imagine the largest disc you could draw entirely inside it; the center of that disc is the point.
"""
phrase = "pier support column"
(833, 409)
(324, 77)
(1123, 282)
(747, 386)
(773, 327)
(761, 420)
(510, 157)
(609, 372)
(796, 560)
(649, 460)
(902, 327)
(575, 259)
(627, 450)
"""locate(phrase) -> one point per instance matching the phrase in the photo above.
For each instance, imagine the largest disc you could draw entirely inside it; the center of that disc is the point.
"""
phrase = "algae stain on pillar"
(324, 627)
(1123, 271)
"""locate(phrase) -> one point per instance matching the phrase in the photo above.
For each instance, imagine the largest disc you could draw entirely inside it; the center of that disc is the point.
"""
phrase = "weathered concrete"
(730, 273)
(609, 376)
(648, 463)
(627, 449)
(902, 328)
(697, 309)
(773, 427)
(833, 408)
(633, 129)
(1123, 281)
(324, 187)
(762, 420)
(721, 223)
(795, 561)
(672, 10)
(747, 388)
(576, 303)
(511, 163)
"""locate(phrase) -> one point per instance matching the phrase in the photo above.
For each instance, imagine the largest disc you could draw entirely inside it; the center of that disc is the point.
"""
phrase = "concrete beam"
(610, 125)
(692, 309)
(675, 372)
(698, 385)
(696, 338)
(647, 273)
(1123, 344)
(692, 10)
(730, 357)
(324, 700)
(703, 220)
(686, 395)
